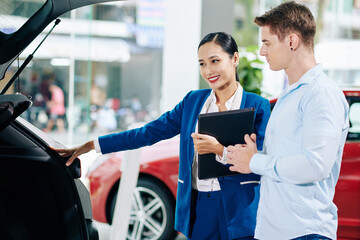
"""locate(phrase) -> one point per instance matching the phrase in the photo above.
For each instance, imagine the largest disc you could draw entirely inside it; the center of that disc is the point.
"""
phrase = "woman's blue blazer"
(240, 193)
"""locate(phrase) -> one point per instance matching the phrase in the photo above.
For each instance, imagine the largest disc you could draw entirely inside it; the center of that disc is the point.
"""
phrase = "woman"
(220, 208)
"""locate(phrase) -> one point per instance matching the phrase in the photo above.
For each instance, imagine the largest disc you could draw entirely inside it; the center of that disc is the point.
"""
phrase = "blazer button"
(208, 195)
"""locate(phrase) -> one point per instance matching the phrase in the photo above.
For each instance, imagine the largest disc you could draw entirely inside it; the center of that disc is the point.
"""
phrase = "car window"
(15, 13)
(354, 118)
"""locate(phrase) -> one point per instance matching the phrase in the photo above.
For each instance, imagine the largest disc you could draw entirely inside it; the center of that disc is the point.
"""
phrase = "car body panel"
(347, 194)
(160, 161)
(39, 196)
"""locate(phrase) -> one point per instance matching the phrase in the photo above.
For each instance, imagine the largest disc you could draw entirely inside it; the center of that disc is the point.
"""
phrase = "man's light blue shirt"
(301, 160)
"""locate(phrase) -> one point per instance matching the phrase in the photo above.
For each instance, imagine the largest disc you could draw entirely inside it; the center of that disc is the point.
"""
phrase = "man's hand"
(75, 152)
(204, 144)
(240, 154)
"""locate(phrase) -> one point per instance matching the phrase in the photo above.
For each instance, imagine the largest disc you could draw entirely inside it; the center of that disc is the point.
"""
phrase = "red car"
(158, 181)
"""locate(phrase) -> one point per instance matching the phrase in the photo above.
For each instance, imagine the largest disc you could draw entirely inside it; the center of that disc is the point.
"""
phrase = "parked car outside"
(40, 198)
(158, 182)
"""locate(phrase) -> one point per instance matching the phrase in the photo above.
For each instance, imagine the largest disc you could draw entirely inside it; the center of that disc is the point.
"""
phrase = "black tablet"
(229, 128)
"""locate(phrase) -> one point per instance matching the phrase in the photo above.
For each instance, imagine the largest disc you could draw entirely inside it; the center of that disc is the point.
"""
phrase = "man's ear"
(294, 41)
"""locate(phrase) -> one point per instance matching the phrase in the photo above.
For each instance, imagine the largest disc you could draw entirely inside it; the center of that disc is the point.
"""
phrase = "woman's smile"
(213, 79)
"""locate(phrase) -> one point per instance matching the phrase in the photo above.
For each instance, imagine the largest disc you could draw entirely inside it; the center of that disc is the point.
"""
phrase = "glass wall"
(337, 41)
(105, 61)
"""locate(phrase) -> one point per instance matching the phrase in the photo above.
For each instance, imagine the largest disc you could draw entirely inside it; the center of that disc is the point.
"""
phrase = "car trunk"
(40, 198)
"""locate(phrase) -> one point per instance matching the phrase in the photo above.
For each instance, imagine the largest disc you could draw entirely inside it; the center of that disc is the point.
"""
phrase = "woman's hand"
(75, 152)
(204, 144)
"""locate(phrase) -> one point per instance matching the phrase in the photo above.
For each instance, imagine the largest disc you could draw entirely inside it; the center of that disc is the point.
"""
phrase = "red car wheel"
(152, 212)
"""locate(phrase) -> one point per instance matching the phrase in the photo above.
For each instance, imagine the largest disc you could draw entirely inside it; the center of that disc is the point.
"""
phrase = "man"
(305, 136)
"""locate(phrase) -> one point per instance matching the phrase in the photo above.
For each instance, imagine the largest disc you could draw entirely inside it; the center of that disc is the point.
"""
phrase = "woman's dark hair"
(224, 40)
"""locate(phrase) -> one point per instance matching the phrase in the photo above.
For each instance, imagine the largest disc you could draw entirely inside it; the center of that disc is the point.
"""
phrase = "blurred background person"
(56, 109)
